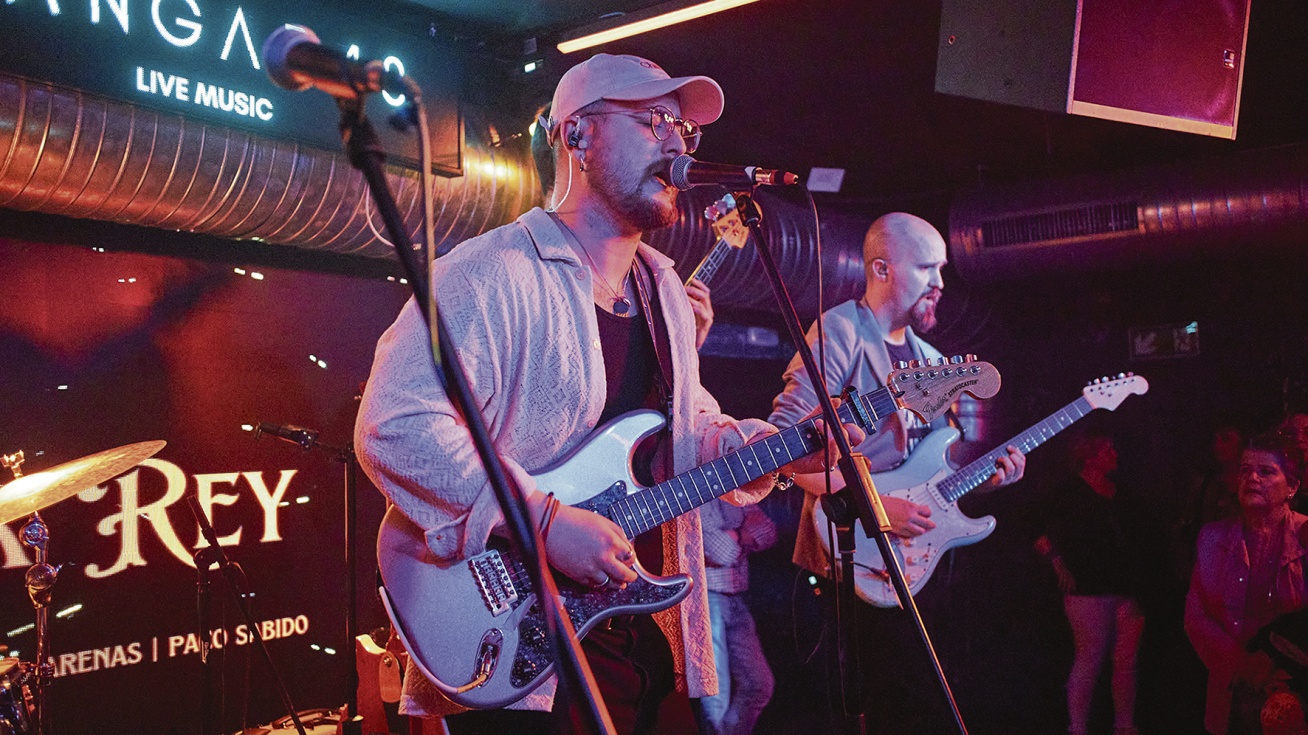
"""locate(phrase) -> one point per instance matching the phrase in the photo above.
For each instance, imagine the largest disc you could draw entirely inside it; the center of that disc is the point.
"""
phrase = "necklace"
(621, 304)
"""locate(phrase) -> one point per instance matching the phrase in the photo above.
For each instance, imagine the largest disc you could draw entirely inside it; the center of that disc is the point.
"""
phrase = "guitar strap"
(650, 547)
(658, 334)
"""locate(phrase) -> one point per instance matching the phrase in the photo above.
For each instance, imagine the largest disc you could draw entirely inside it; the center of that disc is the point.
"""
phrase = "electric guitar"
(925, 478)
(473, 627)
(732, 235)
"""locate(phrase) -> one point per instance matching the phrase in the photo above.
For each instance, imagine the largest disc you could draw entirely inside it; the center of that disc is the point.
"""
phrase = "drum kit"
(23, 707)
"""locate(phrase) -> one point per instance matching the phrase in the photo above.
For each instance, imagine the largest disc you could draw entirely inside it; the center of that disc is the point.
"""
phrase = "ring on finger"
(625, 555)
(606, 581)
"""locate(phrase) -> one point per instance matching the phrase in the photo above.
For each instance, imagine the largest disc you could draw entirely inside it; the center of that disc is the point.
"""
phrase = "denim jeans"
(744, 679)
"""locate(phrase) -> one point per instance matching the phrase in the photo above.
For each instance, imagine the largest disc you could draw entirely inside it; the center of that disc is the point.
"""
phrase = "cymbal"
(31, 493)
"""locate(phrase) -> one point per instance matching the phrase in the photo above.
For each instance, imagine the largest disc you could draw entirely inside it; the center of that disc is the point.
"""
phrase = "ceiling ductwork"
(69, 153)
(66, 152)
(1256, 199)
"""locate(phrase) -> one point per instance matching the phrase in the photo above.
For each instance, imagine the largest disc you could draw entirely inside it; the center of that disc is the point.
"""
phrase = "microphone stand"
(365, 153)
(308, 439)
(204, 558)
(858, 500)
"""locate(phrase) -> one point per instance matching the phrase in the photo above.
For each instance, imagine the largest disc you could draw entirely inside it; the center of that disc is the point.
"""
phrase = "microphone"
(294, 434)
(296, 60)
(685, 173)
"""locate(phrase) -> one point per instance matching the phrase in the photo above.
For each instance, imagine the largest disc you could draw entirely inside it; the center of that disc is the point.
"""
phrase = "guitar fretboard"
(974, 473)
(655, 505)
(712, 262)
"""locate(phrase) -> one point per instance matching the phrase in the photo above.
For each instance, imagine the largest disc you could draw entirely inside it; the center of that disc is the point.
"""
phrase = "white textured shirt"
(518, 305)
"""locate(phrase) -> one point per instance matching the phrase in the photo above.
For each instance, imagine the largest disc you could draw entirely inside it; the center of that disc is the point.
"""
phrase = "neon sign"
(201, 58)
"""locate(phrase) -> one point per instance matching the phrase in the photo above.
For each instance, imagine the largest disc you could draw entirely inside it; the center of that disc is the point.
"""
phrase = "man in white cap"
(564, 319)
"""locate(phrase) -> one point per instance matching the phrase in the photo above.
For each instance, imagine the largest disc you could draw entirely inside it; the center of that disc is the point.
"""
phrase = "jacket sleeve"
(1216, 648)
(412, 443)
(721, 547)
(757, 532)
(797, 400)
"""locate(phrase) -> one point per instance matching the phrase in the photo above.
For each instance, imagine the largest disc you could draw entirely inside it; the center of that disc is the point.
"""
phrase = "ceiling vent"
(1256, 201)
(1062, 225)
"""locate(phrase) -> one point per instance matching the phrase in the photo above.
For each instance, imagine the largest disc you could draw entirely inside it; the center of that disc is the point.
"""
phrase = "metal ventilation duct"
(66, 152)
(70, 153)
(1255, 199)
(741, 282)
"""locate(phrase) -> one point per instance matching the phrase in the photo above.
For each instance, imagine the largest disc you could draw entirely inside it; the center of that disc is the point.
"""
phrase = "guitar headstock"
(725, 221)
(929, 388)
(1109, 392)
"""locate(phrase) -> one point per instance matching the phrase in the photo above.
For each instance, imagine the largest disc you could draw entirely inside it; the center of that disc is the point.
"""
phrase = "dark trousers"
(633, 666)
(898, 691)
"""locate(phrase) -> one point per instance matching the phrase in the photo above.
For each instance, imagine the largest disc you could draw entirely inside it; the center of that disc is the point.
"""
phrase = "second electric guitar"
(925, 478)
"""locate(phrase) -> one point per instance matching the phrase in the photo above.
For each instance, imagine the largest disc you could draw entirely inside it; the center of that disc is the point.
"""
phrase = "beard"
(623, 196)
(922, 317)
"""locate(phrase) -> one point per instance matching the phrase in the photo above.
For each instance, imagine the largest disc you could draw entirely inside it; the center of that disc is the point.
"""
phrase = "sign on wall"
(202, 59)
(188, 352)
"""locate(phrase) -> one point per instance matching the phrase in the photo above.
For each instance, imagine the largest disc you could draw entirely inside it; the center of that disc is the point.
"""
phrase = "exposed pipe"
(66, 152)
(1257, 199)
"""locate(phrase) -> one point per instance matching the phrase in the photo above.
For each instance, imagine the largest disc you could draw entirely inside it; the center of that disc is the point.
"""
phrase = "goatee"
(923, 316)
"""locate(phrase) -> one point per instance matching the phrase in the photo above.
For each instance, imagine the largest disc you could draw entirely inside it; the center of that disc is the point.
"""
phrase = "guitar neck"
(653, 506)
(971, 476)
(708, 267)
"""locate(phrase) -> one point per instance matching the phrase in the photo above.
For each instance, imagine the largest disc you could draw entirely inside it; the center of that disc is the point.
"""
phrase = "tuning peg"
(901, 365)
(956, 359)
(942, 361)
(969, 358)
(914, 364)
(1121, 375)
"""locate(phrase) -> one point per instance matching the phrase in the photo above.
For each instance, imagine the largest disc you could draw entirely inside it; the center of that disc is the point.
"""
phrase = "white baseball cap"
(626, 78)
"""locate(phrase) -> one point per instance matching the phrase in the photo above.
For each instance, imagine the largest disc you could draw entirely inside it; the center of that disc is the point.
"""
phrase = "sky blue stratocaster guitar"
(926, 478)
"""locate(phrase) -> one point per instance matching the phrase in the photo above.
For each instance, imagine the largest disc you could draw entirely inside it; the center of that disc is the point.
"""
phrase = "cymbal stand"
(40, 580)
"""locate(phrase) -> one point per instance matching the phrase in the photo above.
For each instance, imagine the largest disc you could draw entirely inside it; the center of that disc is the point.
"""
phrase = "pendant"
(621, 306)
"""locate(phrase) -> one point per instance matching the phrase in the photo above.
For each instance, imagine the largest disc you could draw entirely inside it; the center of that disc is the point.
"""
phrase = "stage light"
(256, 275)
(68, 611)
(20, 630)
(302, 500)
(644, 21)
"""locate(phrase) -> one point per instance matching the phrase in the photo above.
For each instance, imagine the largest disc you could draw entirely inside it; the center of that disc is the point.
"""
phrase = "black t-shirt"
(900, 353)
(630, 367)
(1098, 538)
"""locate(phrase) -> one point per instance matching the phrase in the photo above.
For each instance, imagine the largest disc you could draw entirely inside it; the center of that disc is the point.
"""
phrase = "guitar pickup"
(493, 581)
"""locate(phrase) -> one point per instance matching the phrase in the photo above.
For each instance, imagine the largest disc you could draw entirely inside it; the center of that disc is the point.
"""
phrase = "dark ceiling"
(850, 84)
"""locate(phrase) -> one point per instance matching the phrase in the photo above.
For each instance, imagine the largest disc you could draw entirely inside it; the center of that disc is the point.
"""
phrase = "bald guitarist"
(903, 256)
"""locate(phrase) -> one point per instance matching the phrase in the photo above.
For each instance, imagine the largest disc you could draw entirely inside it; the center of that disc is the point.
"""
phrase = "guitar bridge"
(497, 589)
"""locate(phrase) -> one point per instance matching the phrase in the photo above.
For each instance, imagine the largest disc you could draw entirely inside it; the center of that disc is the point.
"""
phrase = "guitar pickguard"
(587, 608)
